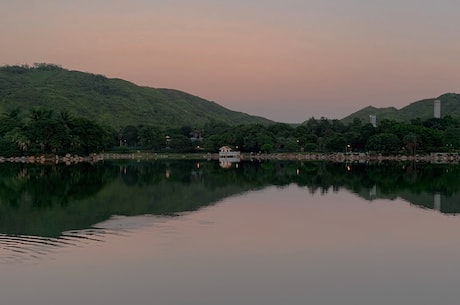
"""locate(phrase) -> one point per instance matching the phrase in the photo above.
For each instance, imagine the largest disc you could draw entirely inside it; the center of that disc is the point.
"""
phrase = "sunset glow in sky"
(285, 60)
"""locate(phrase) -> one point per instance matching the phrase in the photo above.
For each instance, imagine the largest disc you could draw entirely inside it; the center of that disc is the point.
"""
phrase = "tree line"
(327, 136)
(44, 131)
(315, 135)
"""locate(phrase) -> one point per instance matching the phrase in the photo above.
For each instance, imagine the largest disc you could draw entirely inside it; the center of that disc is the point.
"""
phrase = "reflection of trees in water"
(46, 186)
(48, 200)
(390, 179)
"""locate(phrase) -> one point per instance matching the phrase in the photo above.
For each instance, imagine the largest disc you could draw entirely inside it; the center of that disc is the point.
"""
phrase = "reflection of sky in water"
(274, 246)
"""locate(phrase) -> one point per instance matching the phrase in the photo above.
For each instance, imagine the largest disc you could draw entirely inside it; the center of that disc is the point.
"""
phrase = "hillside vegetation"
(424, 110)
(112, 102)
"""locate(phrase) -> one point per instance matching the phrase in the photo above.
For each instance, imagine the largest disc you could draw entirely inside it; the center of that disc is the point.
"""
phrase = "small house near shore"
(228, 152)
(227, 156)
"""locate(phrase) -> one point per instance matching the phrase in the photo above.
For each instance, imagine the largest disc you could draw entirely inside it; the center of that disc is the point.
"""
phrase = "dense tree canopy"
(43, 131)
(46, 132)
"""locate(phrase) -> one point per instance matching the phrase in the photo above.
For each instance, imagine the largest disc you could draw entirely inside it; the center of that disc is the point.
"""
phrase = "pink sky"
(287, 62)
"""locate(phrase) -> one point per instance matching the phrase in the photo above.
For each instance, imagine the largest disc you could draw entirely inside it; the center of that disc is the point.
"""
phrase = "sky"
(284, 60)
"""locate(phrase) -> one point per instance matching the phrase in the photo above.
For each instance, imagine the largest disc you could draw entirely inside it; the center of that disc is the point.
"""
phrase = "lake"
(188, 232)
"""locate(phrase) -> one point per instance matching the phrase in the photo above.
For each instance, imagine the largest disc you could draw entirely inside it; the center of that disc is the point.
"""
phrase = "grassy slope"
(450, 105)
(113, 102)
(363, 114)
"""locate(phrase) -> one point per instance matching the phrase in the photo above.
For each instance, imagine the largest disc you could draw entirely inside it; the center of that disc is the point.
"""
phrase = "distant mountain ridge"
(423, 109)
(113, 102)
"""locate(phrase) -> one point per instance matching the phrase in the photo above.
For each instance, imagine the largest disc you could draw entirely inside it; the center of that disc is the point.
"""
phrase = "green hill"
(363, 114)
(424, 109)
(114, 102)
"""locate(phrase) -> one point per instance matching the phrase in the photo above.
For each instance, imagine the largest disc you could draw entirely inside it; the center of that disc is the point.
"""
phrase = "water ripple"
(20, 248)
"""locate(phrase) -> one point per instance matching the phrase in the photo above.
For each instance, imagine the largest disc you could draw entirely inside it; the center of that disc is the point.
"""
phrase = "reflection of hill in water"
(47, 203)
(49, 200)
(435, 187)
(443, 203)
(447, 204)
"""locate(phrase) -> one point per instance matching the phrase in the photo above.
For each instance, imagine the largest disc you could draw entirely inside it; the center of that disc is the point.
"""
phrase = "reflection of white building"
(373, 191)
(224, 163)
(227, 156)
(437, 201)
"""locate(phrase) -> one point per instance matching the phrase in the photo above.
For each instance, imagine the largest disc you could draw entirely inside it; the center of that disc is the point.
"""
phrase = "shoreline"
(331, 157)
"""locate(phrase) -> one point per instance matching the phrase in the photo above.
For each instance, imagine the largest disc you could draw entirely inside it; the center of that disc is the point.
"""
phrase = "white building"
(373, 119)
(227, 156)
(228, 152)
(437, 109)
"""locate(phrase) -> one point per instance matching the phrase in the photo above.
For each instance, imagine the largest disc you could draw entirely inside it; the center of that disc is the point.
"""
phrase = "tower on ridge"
(437, 109)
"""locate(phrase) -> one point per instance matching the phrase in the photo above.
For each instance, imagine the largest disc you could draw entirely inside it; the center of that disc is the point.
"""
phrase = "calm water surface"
(187, 233)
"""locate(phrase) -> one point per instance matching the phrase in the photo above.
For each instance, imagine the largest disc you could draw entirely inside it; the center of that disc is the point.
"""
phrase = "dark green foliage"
(129, 136)
(180, 143)
(46, 132)
(150, 137)
(335, 142)
(89, 137)
(390, 137)
(386, 143)
(266, 148)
